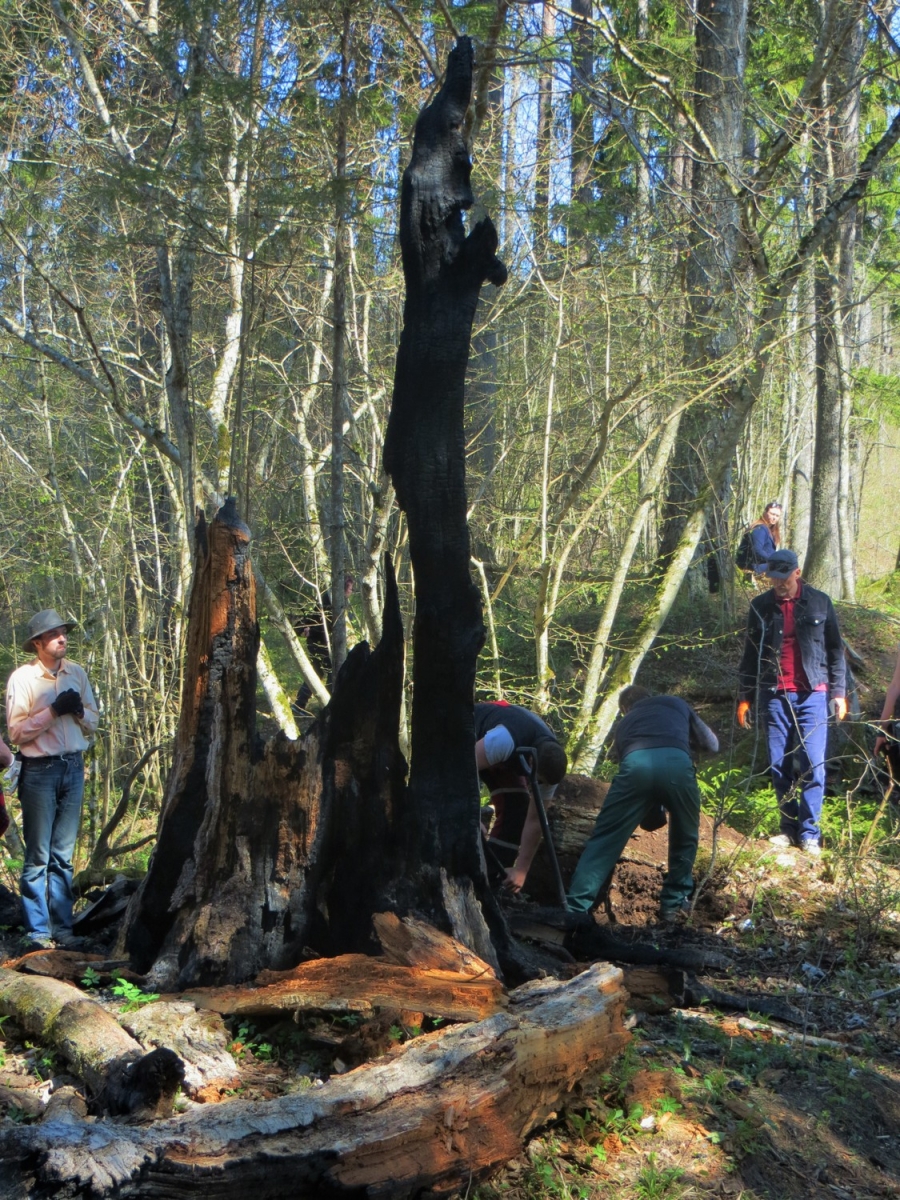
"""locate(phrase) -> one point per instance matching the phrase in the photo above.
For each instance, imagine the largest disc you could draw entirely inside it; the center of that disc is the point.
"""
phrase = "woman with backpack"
(761, 540)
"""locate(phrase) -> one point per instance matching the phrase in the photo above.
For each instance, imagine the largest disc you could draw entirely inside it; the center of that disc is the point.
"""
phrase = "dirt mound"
(638, 879)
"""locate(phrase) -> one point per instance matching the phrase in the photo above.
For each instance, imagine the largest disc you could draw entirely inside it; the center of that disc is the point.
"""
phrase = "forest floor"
(705, 1101)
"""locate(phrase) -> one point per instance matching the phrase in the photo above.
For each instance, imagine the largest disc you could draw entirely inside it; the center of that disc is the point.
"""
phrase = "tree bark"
(264, 847)
(446, 1112)
(439, 869)
(712, 329)
(94, 1044)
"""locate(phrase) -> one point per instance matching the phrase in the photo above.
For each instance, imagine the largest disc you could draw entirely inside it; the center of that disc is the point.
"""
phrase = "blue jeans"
(646, 778)
(797, 733)
(50, 792)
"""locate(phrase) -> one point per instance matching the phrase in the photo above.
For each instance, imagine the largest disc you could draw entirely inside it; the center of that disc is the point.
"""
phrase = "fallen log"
(359, 984)
(71, 965)
(446, 1111)
(24, 1099)
(588, 941)
(107, 908)
(113, 1065)
(200, 1040)
(697, 993)
(654, 989)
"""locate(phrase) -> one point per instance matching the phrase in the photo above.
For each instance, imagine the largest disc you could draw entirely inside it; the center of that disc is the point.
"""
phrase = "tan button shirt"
(33, 724)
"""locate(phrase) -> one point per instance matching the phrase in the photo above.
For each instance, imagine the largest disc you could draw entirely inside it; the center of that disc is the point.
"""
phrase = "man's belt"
(30, 758)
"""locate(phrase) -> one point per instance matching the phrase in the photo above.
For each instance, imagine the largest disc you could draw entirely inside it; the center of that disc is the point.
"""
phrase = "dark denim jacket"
(816, 630)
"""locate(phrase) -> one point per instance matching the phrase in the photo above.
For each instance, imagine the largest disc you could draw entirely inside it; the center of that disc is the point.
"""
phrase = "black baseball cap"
(781, 564)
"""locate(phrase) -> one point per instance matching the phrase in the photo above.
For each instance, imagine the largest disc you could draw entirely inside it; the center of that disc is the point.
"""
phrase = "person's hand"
(839, 707)
(514, 880)
(880, 745)
(743, 714)
(68, 701)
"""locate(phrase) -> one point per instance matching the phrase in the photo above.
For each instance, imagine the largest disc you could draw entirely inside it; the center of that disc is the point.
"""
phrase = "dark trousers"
(646, 779)
(797, 734)
(510, 797)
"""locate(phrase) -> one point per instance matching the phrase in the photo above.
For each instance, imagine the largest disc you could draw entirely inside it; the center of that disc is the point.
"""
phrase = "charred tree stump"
(265, 846)
(438, 865)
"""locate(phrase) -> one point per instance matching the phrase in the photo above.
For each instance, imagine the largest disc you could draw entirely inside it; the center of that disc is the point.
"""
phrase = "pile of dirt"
(634, 897)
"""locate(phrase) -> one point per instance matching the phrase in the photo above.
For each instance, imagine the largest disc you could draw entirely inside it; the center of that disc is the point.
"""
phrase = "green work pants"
(645, 778)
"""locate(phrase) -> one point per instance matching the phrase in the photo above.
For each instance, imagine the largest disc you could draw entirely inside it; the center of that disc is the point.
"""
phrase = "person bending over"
(501, 730)
(653, 742)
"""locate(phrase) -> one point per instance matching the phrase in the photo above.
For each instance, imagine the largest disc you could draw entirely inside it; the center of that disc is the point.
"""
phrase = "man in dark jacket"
(653, 743)
(793, 663)
(502, 730)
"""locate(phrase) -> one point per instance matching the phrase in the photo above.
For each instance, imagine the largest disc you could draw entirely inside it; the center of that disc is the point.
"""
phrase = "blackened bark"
(425, 456)
(266, 846)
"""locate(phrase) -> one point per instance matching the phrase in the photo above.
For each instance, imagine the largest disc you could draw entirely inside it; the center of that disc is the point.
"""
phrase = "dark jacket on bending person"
(525, 727)
(662, 722)
(818, 636)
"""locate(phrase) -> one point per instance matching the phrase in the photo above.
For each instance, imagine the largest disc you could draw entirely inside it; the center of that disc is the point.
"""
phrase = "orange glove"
(743, 714)
(839, 707)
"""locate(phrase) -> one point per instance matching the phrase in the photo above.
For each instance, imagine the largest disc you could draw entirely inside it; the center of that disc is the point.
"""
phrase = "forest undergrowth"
(705, 1101)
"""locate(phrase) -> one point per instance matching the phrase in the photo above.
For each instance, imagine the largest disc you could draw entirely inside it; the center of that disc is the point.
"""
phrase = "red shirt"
(791, 676)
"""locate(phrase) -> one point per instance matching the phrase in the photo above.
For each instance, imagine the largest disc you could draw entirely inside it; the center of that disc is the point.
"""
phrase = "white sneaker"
(783, 841)
(812, 848)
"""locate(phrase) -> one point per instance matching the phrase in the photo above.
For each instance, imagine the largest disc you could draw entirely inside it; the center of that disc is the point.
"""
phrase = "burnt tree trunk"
(265, 847)
(439, 865)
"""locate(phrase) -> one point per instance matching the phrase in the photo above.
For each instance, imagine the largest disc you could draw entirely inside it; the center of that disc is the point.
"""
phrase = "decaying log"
(66, 1104)
(113, 1065)
(654, 989)
(588, 942)
(411, 942)
(445, 1112)
(71, 966)
(107, 908)
(28, 1098)
(697, 993)
(200, 1040)
(357, 983)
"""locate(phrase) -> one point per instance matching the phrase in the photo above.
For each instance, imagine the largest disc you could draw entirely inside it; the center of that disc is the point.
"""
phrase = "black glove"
(68, 701)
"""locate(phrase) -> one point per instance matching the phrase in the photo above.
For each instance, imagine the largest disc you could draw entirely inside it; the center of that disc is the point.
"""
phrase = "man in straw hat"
(51, 714)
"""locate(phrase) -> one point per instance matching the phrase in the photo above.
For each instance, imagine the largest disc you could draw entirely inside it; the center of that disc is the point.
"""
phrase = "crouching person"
(515, 835)
(653, 744)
